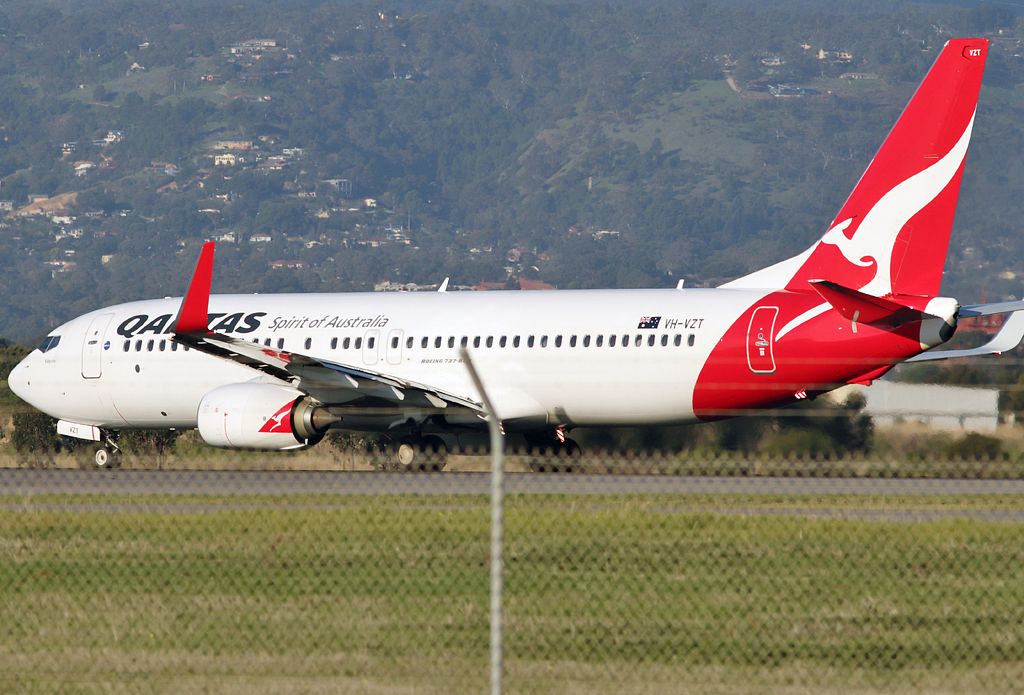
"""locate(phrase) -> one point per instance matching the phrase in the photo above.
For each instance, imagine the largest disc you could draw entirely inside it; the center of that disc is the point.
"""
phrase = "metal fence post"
(497, 525)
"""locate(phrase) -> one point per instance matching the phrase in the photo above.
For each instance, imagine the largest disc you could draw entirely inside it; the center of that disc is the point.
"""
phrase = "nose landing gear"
(108, 454)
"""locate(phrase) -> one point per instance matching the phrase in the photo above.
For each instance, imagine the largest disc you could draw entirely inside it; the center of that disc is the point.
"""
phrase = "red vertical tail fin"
(892, 233)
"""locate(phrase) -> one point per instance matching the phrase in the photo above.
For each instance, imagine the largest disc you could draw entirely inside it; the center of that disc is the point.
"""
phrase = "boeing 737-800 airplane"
(276, 372)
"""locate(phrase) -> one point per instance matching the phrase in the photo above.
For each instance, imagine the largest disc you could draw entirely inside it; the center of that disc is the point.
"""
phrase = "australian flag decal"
(649, 322)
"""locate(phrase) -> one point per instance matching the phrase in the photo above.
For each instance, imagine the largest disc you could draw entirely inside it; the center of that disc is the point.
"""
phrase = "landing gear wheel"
(427, 454)
(435, 453)
(406, 454)
(106, 458)
(560, 457)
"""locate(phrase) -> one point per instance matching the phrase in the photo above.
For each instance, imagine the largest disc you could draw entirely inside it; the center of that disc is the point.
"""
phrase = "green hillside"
(340, 146)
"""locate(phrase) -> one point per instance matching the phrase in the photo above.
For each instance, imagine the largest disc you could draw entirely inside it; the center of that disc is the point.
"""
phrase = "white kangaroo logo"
(874, 239)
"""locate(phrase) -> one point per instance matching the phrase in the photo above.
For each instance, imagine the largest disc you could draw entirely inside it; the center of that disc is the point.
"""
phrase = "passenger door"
(92, 348)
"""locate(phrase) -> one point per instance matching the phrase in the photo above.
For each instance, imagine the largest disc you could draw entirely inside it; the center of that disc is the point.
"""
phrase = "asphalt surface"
(227, 483)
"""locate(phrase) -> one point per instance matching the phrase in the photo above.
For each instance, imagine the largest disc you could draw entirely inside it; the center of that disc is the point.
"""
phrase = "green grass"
(338, 593)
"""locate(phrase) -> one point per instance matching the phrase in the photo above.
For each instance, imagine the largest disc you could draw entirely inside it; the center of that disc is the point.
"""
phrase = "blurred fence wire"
(629, 573)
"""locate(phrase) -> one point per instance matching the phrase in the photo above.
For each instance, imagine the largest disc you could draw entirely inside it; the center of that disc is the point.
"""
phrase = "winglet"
(193, 317)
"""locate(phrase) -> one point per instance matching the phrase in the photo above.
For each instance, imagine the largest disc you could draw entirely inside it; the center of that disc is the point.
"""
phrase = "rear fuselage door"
(761, 340)
(92, 348)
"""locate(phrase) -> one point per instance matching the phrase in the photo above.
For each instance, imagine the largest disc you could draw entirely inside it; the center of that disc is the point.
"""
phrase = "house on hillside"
(226, 159)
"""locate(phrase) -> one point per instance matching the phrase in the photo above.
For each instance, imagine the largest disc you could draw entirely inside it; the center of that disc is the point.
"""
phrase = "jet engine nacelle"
(258, 416)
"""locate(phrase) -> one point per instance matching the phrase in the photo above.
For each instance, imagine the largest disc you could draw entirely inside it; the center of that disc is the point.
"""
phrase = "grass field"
(605, 594)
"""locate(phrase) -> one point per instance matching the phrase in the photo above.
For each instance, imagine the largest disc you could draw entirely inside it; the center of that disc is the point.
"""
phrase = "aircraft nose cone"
(18, 380)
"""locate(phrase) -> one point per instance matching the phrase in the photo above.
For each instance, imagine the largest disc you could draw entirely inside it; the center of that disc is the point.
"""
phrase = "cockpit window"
(49, 342)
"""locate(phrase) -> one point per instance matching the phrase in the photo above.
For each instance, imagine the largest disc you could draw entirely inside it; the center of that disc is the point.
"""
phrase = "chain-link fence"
(674, 572)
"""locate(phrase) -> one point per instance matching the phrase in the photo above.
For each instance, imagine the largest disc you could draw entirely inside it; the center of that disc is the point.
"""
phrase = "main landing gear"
(553, 453)
(428, 453)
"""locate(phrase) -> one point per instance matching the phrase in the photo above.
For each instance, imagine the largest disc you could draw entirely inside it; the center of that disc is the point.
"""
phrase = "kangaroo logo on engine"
(164, 323)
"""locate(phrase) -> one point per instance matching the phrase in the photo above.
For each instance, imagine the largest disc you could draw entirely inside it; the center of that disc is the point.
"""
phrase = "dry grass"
(605, 594)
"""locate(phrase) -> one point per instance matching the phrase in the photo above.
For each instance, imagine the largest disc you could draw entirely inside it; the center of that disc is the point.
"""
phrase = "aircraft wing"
(327, 381)
(1008, 337)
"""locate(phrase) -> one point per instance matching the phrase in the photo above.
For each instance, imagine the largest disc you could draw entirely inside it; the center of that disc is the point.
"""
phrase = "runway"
(231, 483)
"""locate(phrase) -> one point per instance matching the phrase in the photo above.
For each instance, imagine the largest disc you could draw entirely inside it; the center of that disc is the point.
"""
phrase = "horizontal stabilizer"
(1006, 339)
(865, 308)
(989, 309)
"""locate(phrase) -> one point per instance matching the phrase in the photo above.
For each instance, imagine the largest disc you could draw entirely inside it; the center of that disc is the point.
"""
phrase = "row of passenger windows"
(151, 345)
(531, 341)
(465, 341)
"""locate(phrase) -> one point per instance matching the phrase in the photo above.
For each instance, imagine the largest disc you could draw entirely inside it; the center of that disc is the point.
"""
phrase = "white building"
(935, 405)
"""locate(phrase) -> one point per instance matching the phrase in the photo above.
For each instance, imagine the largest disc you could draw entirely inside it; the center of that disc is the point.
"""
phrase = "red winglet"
(193, 317)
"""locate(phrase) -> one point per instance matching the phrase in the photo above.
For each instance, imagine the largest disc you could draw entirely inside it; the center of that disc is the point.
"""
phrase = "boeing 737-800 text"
(278, 371)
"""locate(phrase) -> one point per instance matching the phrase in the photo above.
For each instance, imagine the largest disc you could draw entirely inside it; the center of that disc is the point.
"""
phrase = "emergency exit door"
(92, 348)
(761, 340)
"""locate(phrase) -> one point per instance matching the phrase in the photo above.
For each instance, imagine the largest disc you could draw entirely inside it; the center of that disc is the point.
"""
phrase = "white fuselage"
(566, 357)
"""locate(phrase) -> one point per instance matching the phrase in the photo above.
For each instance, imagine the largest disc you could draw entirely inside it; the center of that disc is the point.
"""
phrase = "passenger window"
(138, 346)
(625, 340)
(501, 343)
(371, 342)
(599, 340)
(359, 343)
(464, 342)
(638, 340)
(127, 345)
(280, 343)
(558, 341)
(437, 342)
(334, 343)
(515, 341)
(664, 340)
(451, 341)
(650, 340)
(423, 342)
(611, 341)
(309, 343)
(266, 341)
(678, 340)
(529, 341)
(586, 340)
(490, 341)
(476, 342)
(543, 341)
(174, 346)
(149, 346)
(163, 345)
(690, 339)
(346, 343)
(394, 342)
